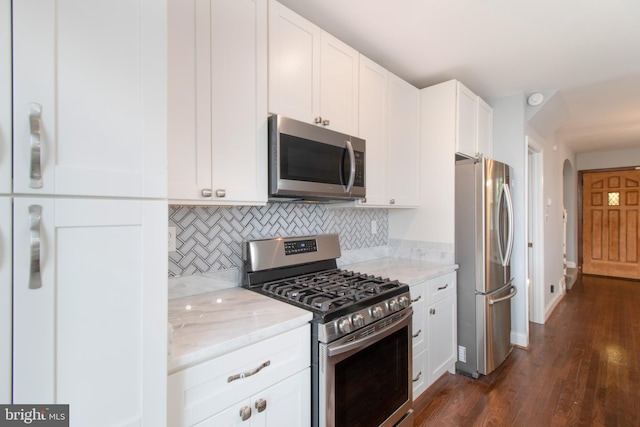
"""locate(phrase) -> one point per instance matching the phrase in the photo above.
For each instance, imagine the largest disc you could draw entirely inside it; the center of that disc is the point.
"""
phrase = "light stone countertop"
(211, 324)
(404, 270)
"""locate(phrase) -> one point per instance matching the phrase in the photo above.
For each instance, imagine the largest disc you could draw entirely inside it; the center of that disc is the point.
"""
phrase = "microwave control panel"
(359, 178)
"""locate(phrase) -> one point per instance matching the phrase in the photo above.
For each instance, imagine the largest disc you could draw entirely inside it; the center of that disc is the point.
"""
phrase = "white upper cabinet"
(404, 143)
(89, 98)
(484, 129)
(313, 77)
(5, 97)
(474, 128)
(390, 124)
(217, 126)
(374, 90)
(467, 118)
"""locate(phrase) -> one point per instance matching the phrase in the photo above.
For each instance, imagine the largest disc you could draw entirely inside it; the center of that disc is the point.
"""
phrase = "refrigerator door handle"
(507, 191)
(513, 293)
(505, 255)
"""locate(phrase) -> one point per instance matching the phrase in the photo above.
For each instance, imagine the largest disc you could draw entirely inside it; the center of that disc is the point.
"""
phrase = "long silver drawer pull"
(35, 143)
(418, 377)
(443, 287)
(248, 374)
(417, 334)
(35, 218)
(417, 299)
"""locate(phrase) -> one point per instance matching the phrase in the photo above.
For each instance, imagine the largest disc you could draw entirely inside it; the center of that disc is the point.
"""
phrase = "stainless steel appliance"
(361, 329)
(314, 163)
(483, 246)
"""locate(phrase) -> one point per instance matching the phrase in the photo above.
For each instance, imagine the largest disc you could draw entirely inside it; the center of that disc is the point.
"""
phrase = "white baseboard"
(552, 305)
(519, 339)
(571, 264)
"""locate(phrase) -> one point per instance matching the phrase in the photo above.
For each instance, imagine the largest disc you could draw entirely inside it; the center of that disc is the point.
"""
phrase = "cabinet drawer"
(441, 287)
(205, 389)
(419, 373)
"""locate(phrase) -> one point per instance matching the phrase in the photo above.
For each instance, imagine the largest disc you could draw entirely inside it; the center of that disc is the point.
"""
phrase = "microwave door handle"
(352, 170)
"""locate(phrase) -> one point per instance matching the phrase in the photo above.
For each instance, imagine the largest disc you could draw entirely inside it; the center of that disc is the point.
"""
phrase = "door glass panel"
(305, 160)
(373, 383)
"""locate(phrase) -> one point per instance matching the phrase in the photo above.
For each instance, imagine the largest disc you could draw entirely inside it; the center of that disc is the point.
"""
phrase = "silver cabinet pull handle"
(392, 201)
(418, 377)
(206, 192)
(443, 287)
(35, 219)
(261, 405)
(221, 193)
(317, 120)
(245, 413)
(248, 374)
(432, 311)
(325, 123)
(35, 143)
(417, 299)
(417, 334)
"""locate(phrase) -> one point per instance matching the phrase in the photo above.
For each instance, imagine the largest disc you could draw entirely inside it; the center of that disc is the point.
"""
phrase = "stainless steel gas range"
(361, 329)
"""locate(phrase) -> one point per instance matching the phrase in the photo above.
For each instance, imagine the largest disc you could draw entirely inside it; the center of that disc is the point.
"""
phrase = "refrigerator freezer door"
(494, 328)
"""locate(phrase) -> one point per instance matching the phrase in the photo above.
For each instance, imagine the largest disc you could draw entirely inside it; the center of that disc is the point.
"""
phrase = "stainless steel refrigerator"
(483, 246)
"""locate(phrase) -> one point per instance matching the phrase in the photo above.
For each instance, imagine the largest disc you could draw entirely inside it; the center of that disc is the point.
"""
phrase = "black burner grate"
(325, 291)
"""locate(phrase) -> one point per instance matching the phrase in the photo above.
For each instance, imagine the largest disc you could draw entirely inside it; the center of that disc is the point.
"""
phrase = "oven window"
(373, 383)
(305, 160)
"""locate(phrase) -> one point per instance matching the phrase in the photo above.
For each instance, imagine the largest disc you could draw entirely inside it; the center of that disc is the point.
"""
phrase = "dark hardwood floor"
(582, 368)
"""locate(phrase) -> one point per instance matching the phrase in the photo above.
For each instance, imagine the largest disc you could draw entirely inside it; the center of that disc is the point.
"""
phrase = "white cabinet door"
(373, 129)
(339, 71)
(286, 403)
(294, 64)
(484, 128)
(91, 332)
(313, 77)
(5, 96)
(441, 337)
(466, 121)
(5, 300)
(89, 97)
(403, 143)
(218, 102)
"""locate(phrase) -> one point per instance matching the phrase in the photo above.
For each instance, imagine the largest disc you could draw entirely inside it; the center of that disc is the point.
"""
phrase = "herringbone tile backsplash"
(210, 238)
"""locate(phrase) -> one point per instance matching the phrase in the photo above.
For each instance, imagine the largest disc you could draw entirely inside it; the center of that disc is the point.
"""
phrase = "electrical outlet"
(172, 239)
(462, 354)
(374, 226)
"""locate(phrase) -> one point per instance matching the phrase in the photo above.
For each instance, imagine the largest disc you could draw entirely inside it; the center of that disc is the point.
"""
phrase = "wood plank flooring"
(582, 368)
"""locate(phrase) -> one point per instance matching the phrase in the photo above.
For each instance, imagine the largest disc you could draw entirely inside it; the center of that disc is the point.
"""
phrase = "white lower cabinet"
(89, 308)
(264, 384)
(5, 300)
(434, 330)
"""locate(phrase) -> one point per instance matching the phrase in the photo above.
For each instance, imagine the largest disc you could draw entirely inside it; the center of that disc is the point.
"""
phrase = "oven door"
(365, 377)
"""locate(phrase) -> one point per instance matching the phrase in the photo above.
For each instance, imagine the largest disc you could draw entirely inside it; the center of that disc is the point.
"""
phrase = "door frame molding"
(534, 222)
(580, 207)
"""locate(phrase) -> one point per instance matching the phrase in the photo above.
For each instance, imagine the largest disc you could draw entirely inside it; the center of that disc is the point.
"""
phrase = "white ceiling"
(587, 50)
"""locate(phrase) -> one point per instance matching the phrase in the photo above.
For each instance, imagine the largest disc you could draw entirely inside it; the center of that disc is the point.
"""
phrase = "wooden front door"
(610, 228)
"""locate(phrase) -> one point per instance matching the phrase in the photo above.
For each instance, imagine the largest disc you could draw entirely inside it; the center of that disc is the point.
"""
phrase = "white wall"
(609, 159)
(509, 146)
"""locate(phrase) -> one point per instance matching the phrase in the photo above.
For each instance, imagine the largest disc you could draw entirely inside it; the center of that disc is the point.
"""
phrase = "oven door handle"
(372, 338)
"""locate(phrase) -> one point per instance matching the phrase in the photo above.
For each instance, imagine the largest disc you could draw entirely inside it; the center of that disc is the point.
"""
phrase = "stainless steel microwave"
(310, 162)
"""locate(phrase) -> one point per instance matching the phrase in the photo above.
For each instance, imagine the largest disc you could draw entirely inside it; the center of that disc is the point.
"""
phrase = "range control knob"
(394, 305)
(404, 302)
(376, 312)
(357, 320)
(344, 325)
